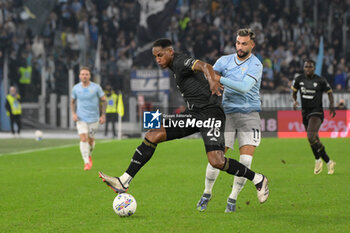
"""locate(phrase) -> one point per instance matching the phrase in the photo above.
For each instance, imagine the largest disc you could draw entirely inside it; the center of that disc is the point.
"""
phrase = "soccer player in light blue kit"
(240, 74)
(87, 96)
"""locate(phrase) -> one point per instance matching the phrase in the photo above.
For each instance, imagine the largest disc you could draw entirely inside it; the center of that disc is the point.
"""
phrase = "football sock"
(324, 155)
(319, 151)
(125, 179)
(84, 150)
(314, 148)
(92, 147)
(233, 167)
(210, 177)
(141, 156)
(239, 182)
(257, 178)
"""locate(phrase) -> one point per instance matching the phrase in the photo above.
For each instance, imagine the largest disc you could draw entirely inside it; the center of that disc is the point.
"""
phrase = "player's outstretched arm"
(242, 86)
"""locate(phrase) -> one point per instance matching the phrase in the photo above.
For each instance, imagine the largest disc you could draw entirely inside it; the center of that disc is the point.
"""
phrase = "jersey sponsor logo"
(315, 84)
(307, 91)
(151, 120)
(310, 97)
(189, 62)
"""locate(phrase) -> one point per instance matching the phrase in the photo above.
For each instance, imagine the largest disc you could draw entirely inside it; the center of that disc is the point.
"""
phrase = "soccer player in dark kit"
(195, 80)
(311, 88)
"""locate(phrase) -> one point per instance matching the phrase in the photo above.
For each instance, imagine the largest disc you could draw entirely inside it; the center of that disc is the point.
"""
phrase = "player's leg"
(83, 130)
(84, 150)
(233, 167)
(318, 148)
(92, 127)
(246, 157)
(141, 156)
(18, 122)
(249, 137)
(211, 175)
(113, 127)
(106, 125)
(12, 124)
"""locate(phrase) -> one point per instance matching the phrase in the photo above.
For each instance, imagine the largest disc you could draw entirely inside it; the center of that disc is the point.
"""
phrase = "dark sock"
(324, 155)
(319, 151)
(141, 156)
(236, 168)
(314, 148)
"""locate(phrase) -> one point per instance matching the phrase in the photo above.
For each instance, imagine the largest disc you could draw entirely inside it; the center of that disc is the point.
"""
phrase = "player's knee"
(215, 160)
(83, 138)
(155, 136)
(216, 164)
(311, 136)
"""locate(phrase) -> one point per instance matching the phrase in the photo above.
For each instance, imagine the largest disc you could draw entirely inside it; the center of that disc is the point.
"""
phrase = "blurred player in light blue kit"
(85, 107)
(240, 73)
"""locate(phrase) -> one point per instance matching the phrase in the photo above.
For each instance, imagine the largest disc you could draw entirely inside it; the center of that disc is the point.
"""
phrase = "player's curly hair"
(163, 42)
(246, 32)
(309, 60)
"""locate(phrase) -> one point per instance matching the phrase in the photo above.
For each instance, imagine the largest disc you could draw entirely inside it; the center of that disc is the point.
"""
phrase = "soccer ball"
(124, 205)
(38, 135)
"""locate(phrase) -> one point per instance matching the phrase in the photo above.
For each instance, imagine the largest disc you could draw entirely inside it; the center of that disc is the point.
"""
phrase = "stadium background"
(54, 38)
(43, 185)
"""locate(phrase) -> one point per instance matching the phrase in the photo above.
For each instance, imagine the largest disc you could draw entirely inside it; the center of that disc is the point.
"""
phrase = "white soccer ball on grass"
(124, 205)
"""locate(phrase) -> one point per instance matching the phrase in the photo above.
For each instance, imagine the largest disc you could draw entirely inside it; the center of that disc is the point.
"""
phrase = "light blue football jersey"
(88, 101)
(230, 67)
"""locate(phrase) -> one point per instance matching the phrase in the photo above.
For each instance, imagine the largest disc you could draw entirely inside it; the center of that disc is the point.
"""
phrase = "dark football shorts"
(210, 122)
(309, 113)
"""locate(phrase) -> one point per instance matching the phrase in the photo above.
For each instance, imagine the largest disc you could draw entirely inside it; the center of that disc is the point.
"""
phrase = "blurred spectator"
(14, 110)
(340, 80)
(203, 29)
(341, 105)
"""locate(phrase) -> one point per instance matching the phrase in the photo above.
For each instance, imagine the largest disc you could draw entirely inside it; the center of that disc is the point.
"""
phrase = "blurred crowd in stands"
(203, 29)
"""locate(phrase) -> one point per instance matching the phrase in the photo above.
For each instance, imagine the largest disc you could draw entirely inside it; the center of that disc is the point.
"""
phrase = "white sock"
(92, 147)
(257, 178)
(239, 182)
(210, 178)
(84, 150)
(125, 179)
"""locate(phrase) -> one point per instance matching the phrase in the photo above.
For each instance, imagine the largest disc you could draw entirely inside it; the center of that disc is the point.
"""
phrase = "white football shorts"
(87, 128)
(243, 126)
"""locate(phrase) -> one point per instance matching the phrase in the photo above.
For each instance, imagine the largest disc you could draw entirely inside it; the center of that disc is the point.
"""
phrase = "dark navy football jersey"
(194, 86)
(311, 90)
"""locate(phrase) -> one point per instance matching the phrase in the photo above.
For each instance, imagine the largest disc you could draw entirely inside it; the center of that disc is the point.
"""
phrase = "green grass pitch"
(48, 190)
